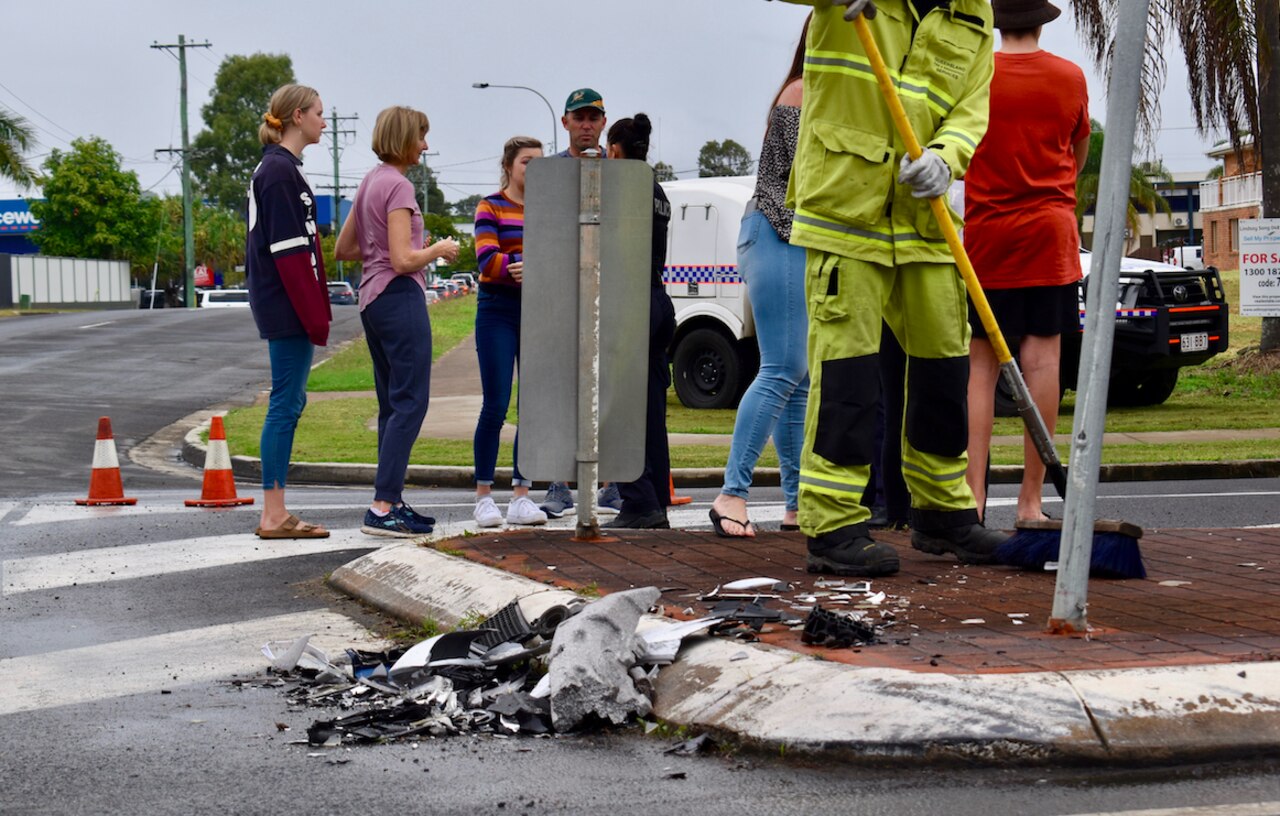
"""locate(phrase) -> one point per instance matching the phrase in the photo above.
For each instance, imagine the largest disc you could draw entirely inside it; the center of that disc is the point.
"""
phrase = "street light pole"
(555, 145)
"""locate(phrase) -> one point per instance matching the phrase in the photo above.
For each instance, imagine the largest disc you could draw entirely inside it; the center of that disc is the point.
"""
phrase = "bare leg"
(1039, 357)
(984, 369)
(274, 511)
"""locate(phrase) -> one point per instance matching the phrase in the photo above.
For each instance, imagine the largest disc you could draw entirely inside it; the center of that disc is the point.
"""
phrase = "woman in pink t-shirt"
(384, 232)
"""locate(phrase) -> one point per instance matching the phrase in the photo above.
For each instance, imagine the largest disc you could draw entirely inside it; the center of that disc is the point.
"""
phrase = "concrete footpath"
(1181, 666)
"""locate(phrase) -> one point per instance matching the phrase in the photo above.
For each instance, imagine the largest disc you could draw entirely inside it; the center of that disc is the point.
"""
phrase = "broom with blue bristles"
(1115, 551)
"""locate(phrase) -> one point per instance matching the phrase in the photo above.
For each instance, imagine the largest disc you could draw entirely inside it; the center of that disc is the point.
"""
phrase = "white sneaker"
(487, 513)
(522, 510)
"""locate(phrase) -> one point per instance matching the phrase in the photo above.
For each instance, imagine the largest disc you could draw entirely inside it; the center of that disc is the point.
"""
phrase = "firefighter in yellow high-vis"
(875, 253)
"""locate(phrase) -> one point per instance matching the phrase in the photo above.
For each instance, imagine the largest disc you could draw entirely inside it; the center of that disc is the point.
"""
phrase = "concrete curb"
(249, 468)
(777, 699)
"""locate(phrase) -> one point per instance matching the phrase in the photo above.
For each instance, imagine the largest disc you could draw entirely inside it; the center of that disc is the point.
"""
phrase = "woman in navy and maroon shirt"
(287, 289)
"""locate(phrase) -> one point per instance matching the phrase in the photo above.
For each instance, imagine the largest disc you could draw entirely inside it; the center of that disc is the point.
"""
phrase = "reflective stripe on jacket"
(843, 182)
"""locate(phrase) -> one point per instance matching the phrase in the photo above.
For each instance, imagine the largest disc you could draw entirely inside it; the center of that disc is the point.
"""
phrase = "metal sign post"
(588, 454)
(1071, 592)
(584, 325)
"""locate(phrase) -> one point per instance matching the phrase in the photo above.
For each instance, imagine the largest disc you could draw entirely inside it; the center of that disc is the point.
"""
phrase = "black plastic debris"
(835, 630)
(689, 747)
(748, 613)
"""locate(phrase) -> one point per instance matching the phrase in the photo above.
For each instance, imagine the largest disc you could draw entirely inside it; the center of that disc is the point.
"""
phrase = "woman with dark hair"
(774, 403)
(645, 500)
(500, 259)
(284, 269)
(385, 232)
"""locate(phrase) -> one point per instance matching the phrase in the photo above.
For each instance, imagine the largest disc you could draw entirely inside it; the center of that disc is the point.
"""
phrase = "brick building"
(1226, 200)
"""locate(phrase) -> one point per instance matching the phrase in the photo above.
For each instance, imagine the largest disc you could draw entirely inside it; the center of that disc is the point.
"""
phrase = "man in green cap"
(585, 121)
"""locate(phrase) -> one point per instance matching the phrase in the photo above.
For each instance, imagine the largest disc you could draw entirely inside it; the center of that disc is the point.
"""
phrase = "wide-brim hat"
(1017, 14)
(583, 98)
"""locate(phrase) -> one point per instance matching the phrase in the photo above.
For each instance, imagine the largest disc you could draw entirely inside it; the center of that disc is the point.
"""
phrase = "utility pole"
(334, 132)
(188, 230)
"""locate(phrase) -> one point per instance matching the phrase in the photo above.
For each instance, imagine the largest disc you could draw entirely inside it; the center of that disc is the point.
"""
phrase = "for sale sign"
(1260, 267)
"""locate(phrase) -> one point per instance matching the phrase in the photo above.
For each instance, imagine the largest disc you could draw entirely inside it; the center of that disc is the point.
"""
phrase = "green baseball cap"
(583, 98)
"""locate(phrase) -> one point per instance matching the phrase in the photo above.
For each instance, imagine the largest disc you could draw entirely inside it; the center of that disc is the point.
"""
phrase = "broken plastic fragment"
(659, 644)
(1175, 583)
(972, 621)
(772, 584)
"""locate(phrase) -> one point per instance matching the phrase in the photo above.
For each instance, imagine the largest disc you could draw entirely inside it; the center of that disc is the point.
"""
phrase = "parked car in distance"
(341, 293)
(466, 279)
(225, 298)
(433, 297)
(1187, 257)
(442, 291)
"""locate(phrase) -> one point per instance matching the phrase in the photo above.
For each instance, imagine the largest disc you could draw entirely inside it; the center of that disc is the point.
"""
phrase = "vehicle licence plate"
(1195, 342)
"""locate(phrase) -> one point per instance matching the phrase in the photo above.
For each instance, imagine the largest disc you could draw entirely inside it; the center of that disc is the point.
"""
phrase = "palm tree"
(16, 138)
(1142, 190)
(1232, 50)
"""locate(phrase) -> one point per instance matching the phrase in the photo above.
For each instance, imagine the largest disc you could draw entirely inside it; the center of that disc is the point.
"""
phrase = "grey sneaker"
(608, 500)
(559, 500)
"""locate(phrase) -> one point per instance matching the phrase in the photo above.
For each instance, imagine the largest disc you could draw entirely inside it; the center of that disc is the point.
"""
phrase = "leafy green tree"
(16, 138)
(92, 208)
(466, 206)
(727, 158)
(219, 238)
(664, 172)
(423, 176)
(224, 154)
(1142, 190)
(1232, 51)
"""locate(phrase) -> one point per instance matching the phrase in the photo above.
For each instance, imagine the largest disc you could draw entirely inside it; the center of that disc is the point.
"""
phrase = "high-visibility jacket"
(843, 185)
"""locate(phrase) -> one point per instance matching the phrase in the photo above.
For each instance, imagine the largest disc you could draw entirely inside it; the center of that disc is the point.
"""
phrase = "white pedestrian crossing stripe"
(132, 561)
(189, 657)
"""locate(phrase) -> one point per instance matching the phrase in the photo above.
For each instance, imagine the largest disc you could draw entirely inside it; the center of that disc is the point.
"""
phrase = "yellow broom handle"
(940, 214)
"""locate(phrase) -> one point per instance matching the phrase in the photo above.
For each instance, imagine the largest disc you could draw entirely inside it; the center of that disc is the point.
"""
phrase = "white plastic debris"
(972, 621)
(1175, 583)
(297, 653)
(743, 584)
(659, 644)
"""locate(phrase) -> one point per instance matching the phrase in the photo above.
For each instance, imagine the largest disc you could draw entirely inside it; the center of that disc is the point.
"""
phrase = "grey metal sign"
(587, 244)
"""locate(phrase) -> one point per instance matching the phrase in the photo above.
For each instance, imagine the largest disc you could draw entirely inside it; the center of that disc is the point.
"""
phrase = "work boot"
(940, 532)
(850, 550)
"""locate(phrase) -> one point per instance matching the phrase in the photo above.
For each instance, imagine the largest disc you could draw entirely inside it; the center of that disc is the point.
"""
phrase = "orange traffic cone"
(219, 483)
(105, 486)
(674, 498)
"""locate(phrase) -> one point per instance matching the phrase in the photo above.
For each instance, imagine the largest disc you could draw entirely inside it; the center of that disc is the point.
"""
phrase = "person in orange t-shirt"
(1020, 230)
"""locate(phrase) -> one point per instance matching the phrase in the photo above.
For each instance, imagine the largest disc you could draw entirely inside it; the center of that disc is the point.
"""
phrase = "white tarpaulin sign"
(1260, 267)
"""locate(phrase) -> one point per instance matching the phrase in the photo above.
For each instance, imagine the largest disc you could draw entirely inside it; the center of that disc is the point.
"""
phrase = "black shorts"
(1043, 311)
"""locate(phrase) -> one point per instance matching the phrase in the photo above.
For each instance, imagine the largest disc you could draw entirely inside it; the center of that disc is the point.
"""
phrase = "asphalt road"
(122, 631)
(144, 369)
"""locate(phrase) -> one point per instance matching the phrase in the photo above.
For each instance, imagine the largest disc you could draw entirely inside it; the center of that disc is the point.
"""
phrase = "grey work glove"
(929, 176)
(866, 8)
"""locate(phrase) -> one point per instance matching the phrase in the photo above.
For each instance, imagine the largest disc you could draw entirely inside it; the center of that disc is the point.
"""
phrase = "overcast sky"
(701, 69)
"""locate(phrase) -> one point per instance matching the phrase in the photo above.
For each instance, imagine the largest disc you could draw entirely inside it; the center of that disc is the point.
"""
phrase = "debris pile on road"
(572, 667)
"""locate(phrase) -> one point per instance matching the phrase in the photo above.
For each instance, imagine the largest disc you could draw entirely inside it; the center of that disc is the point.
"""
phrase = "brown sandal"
(293, 527)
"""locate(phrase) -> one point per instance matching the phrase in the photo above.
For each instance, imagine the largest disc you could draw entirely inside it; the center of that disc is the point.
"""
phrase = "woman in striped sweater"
(500, 258)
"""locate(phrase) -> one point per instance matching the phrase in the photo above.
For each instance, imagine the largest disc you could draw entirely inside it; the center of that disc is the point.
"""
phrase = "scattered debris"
(974, 621)
(1175, 583)
(698, 744)
(836, 630)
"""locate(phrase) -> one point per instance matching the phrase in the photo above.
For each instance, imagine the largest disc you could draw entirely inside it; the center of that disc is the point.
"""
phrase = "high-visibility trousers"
(925, 306)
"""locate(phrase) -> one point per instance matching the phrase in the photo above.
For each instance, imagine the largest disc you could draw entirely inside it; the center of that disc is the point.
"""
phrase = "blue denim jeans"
(398, 331)
(290, 367)
(775, 401)
(498, 350)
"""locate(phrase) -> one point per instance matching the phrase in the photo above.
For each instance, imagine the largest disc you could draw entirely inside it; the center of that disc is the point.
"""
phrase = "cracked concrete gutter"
(777, 699)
